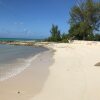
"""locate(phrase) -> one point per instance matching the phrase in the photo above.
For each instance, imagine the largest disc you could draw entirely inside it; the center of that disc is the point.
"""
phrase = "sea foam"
(15, 71)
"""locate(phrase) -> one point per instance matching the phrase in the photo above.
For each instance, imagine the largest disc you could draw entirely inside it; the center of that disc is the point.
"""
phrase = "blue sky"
(33, 18)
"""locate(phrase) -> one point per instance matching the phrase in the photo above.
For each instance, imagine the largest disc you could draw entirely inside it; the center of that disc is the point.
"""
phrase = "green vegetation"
(85, 20)
(56, 35)
(84, 23)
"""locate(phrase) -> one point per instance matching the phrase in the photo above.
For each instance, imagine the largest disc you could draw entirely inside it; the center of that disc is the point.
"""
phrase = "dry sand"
(73, 76)
(70, 74)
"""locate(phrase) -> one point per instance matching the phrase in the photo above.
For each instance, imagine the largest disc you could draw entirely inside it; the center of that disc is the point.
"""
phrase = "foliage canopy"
(84, 19)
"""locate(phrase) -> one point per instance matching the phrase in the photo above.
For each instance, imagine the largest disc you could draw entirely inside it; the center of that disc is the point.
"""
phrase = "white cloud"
(18, 23)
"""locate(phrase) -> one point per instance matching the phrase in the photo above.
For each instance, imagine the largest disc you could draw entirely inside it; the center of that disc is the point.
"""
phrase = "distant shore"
(24, 43)
(20, 41)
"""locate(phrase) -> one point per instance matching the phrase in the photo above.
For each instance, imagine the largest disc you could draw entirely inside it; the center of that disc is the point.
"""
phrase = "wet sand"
(30, 82)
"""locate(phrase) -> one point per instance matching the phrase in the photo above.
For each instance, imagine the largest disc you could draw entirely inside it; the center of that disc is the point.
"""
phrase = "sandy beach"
(30, 82)
(69, 73)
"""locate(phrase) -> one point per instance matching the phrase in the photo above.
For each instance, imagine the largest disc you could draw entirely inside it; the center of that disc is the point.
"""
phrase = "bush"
(65, 41)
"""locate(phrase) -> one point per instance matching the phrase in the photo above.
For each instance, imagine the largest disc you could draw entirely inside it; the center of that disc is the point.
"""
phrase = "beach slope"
(73, 76)
(68, 74)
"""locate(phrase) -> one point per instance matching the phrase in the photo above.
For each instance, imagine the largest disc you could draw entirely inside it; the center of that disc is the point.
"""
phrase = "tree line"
(84, 23)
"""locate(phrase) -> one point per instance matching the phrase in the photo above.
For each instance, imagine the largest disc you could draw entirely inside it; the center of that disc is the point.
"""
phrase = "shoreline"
(45, 44)
(30, 81)
(15, 59)
(67, 73)
(20, 70)
(19, 43)
(25, 43)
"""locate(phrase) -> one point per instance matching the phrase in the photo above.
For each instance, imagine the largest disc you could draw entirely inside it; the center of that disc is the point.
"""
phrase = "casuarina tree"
(84, 19)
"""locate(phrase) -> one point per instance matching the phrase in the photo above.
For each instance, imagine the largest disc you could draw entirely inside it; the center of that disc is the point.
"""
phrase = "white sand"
(73, 75)
(69, 75)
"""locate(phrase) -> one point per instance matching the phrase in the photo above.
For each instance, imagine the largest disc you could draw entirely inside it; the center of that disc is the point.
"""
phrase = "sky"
(33, 18)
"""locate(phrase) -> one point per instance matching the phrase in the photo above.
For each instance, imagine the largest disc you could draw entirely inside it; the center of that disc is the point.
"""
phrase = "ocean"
(19, 39)
(14, 59)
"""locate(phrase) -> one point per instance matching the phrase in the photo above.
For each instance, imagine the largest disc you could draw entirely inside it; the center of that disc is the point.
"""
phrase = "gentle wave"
(18, 70)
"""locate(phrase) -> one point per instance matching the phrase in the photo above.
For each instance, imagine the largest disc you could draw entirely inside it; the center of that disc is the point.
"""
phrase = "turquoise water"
(18, 39)
(14, 59)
